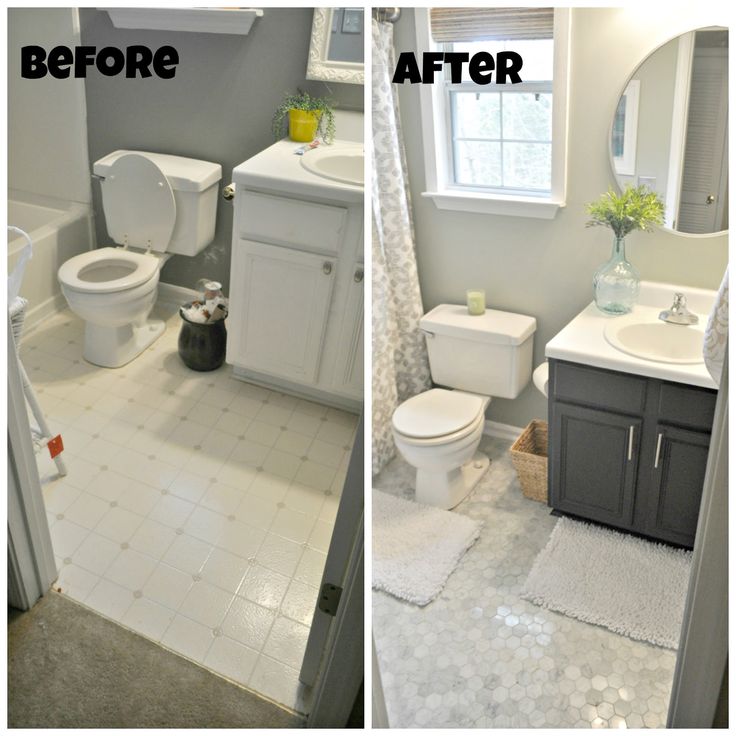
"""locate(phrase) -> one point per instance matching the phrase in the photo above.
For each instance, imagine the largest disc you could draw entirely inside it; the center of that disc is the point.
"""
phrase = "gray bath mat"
(416, 547)
(626, 584)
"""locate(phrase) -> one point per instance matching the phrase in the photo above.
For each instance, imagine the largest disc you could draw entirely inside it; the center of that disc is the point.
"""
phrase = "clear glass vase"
(616, 282)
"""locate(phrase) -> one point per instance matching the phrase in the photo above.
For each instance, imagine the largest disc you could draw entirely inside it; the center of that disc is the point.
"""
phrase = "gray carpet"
(70, 668)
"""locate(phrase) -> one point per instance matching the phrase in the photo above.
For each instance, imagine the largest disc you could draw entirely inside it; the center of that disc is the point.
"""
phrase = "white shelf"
(199, 20)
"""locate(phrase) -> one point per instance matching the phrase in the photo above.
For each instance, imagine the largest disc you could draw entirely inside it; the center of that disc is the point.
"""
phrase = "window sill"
(496, 204)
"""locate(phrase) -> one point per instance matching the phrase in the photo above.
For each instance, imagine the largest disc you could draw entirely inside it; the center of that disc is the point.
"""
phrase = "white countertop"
(278, 168)
(582, 340)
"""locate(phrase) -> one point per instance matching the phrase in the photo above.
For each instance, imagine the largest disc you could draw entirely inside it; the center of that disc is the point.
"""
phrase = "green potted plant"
(616, 282)
(308, 117)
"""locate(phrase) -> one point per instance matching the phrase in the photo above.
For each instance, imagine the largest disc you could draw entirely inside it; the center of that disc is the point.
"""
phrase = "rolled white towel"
(716, 333)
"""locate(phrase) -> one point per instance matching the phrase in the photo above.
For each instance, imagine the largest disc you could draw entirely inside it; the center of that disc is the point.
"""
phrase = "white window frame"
(436, 134)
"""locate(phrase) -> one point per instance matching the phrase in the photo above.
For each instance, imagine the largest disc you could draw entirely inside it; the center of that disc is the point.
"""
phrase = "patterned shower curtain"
(400, 365)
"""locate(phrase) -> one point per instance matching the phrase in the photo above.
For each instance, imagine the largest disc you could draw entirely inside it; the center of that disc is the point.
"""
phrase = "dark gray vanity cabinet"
(627, 450)
(679, 468)
(593, 444)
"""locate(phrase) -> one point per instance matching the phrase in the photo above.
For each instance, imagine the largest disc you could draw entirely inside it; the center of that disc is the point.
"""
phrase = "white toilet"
(155, 205)
(438, 431)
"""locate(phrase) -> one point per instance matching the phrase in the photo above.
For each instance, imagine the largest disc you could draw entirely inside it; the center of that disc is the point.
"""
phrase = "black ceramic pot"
(202, 346)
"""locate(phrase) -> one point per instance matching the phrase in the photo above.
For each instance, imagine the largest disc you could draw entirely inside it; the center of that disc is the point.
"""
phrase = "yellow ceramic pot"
(303, 125)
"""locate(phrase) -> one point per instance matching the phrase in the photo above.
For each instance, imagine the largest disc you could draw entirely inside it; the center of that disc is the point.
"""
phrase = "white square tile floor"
(479, 656)
(197, 509)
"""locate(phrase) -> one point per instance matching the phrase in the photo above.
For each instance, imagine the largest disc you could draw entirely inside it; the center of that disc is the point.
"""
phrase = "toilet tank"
(195, 187)
(488, 354)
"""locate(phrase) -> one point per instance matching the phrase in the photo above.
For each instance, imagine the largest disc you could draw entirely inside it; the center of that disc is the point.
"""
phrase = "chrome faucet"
(678, 313)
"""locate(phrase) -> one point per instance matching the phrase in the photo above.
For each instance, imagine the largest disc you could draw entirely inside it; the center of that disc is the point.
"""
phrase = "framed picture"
(623, 132)
(352, 20)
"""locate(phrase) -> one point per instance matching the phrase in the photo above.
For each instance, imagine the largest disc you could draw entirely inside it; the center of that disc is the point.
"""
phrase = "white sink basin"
(342, 164)
(652, 339)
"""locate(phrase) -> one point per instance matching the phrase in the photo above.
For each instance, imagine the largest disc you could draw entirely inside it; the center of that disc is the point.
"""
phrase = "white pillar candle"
(476, 301)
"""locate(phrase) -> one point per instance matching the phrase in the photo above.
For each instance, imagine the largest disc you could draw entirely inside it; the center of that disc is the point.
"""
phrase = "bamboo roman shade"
(490, 24)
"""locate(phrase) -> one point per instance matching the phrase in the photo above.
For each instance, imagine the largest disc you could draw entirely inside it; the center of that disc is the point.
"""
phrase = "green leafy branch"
(308, 103)
(636, 208)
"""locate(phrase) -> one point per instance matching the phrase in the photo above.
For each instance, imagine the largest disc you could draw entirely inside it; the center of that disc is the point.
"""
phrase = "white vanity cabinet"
(296, 286)
(279, 313)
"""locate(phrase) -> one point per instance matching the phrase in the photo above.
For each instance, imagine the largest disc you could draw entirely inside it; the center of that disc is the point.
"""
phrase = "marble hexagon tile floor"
(480, 656)
(197, 509)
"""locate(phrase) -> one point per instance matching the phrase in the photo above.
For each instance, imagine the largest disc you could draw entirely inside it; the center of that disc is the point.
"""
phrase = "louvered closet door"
(705, 145)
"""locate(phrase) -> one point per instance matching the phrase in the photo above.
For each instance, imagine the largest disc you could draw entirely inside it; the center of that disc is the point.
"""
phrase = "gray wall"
(218, 107)
(540, 267)
(46, 117)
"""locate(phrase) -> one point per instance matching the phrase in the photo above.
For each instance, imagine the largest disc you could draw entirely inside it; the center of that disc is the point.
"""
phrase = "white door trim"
(330, 657)
(681, 100)
(339, 679)
(31, 565)
(702, 656)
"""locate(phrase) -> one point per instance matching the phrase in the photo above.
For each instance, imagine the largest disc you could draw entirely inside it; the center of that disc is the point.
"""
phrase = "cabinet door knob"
(710, 199)
(631, 440)
(659, 447)
(358, 276)
(327, 268)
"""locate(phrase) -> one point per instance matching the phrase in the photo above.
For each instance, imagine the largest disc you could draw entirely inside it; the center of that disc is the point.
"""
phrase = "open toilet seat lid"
(436, 413)
(139, 204)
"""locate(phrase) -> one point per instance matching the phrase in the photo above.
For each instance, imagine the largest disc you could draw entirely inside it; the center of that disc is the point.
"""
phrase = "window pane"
(478, 163)
(527, 116)
(476, 115)
(619, 127)
(527, 165)
(538, 56)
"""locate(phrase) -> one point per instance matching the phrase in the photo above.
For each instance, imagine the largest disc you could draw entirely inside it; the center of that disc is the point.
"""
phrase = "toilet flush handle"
(427, 333)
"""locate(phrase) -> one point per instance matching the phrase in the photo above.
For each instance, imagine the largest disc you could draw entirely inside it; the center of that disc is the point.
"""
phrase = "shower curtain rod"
(387, 15)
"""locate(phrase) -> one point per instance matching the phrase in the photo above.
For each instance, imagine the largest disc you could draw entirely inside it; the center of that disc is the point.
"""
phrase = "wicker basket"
(529, 455)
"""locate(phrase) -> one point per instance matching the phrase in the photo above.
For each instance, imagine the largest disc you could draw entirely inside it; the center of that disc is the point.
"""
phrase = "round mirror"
(670, 130)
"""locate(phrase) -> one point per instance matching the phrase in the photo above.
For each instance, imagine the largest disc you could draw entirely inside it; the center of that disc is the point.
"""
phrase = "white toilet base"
(113, 347)
(447, 490)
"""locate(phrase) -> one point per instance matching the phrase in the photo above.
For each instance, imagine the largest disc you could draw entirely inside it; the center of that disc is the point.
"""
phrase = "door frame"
(703, 652)
(31, 564)
(681, 100)
(333, 660)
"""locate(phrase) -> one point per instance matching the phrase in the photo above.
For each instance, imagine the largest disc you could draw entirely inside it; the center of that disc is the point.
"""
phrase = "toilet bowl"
(155, 205)
(113, 291)
(438, 431)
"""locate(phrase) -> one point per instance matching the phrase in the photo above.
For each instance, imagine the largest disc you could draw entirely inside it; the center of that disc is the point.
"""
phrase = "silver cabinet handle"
(659, 446)
(228, 192)
(327, 268)
(358, 275)
(631, 440)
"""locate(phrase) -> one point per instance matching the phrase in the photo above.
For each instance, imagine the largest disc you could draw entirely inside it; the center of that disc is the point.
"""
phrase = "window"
(497, 148)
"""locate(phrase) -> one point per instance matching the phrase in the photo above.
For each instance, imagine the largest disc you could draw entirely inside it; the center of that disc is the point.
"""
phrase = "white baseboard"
(501, 431)
(43, 311)
(173, 294)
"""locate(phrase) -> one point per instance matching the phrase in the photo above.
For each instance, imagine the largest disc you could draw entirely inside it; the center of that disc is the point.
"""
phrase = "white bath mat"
(416, 547)
(630, 586)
